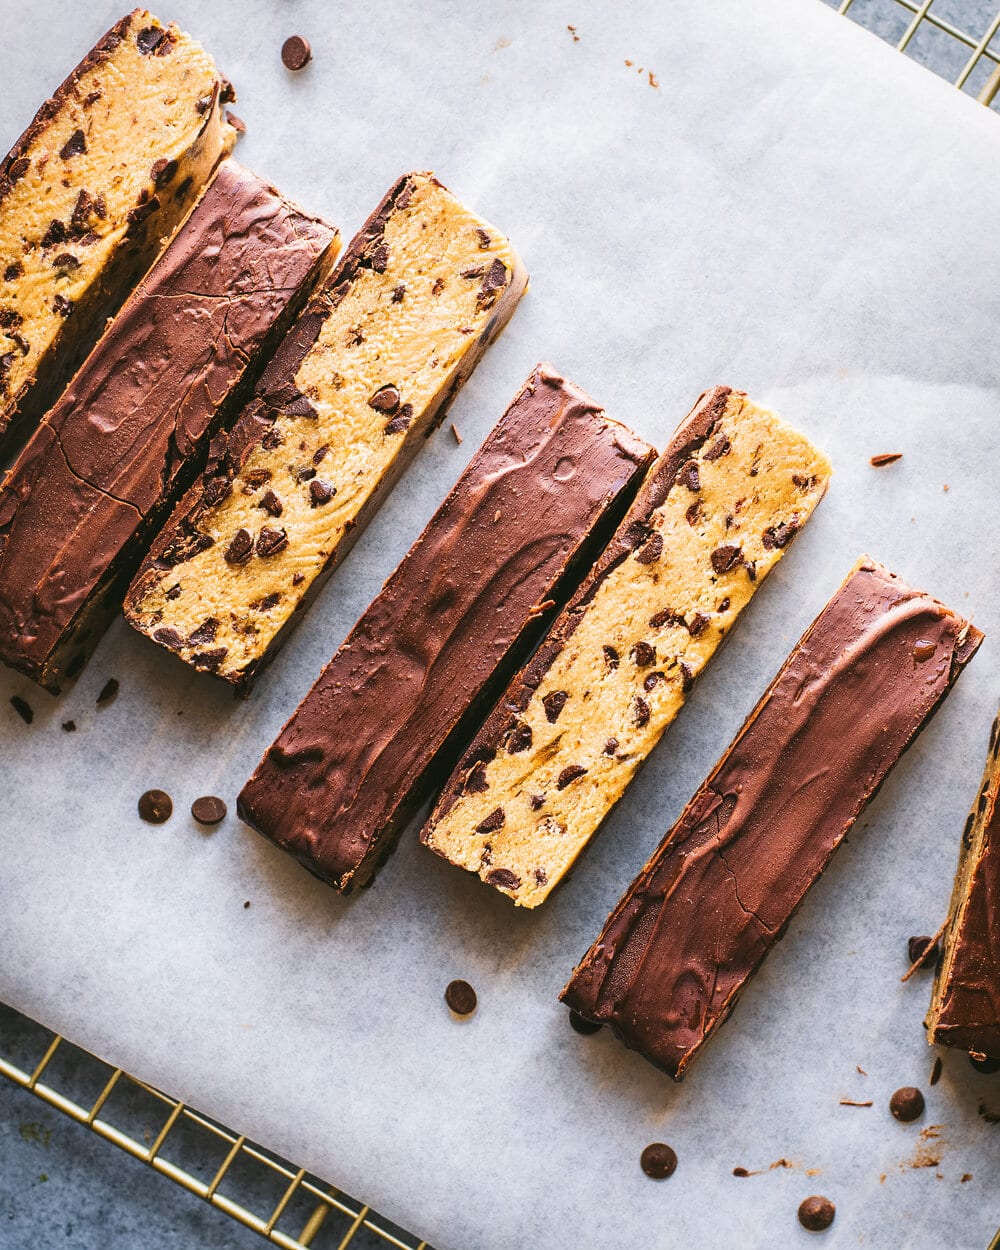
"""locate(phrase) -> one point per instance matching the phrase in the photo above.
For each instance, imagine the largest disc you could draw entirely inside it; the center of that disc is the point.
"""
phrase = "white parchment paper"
(794, 210)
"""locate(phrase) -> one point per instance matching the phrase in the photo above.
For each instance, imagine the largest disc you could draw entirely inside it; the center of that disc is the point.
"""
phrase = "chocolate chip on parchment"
(155, 806)
(583, 1026)
(610, 747)
(519, 738)
(553, 704)
(569, 774)
(640, 712)
(400, 421)
(611, 656)
(295, 53)
(689, 476)
(726, 557)
(493, 822)
(816, 1213)
(168, 637)
(271, 504)
(923, 951)
(109, 692)
(320, 492)
(885, 457)
(240, 548)
(208, 810)
(461, 998)
(651, 550)
(270, 542)
(718, 449)
(780, 535)
(475, 782)
(205, 633)
(907, 1104)
(23, 708)
(642, 654)
(75, 145)
(69, 726)
(658, 1161)
(504, 878)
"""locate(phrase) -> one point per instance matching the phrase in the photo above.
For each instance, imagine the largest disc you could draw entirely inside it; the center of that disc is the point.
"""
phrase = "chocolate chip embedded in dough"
(386, 399)
(476, 782)
(495, 820)
(651, 550)
(643, 654)
(240, 548)
(504, 878)
(640, 712)
(75, 145)
(320, 492)
(519, 738)
(270, 542)
(553, 704)
(271, 504)
(725, 558)
(569, 774)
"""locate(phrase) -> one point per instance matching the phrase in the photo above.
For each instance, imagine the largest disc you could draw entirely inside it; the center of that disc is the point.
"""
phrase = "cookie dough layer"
(96, 479)
(363, 378)
(100, 178)
(721, 505)
(965, 1005)
(394, 707)
(719, 892)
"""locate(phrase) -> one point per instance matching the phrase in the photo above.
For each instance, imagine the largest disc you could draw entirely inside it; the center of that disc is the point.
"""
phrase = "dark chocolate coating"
(94, 482)
(719, 891)
(965, 1009)
(394, 707)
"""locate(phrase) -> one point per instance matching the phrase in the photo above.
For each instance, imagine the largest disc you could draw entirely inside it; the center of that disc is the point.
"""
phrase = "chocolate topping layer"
(721, 888)
(391, 711)
(95, 481)
(965, 1006)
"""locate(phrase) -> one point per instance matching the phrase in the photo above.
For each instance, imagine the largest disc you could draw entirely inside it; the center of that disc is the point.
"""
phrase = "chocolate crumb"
(460, 997)
(850, 1102)
(658, 1161)
(295, 53)
(109, 692)
(816, 1213)
(886, 457)
(583, 1026)
(742, 1172)
(208, 810)
(155, 806)
(907, 1104)
(69, 726)
(23, 708)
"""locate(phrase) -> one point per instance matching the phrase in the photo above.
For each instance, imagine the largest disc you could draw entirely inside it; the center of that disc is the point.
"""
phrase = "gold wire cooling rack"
(322, 1214)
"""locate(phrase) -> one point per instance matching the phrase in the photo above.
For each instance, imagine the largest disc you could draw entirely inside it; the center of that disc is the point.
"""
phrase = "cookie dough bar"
(105, 172)
(363, 378)
(720, 890)
(965, 1005)
(96, 479)
(717, 513)
(394, 707)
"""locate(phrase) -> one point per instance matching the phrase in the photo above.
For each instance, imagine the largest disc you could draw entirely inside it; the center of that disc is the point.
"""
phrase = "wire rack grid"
(959, 40)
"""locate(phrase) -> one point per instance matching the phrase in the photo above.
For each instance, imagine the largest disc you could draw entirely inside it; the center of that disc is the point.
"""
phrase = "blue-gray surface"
(62, 1186)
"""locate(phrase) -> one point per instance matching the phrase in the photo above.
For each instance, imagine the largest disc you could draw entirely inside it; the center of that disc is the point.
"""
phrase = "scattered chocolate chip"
(461, 998)
(155, 806)
(246, 904)
(554, 704)
(75, 145)
(537, 802)
(267, 603)
(504, 878)
(270, 542)
(303, 475)
(658, 1161)
(168, 638)
(386, 399)
(804, 482)
(923, 951)
(319, 455)
(143, 209)
(689, 476)
(210, 660)
(651, 550)
(697, 624)
(583, 1026)
(519, 738)
(295, 53)
(611, 656)
(493, 822)
(271, 504)
(569, 774)
(62, 306)
(886, 457)
(398, 292)
(780, 535)
(56, 233)
(109, 692)
(642, 654)
(298, 579)
(400, 421)
(742, 1172)
(69, 726)
(18, 169)
(23, 708)
(907, 1104)
(936, 1070)
(240, 548)
(205, 633)
(438, 286)
(718, 449)
(816, 1213)
(320, 492)
(254, 479)
(208, 810)
(985, 1064)
(723, 605)
(640, 712)
(610, 747)
(725, 558)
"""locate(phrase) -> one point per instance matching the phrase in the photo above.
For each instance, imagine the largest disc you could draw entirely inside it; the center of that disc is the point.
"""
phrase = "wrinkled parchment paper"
(792, 209)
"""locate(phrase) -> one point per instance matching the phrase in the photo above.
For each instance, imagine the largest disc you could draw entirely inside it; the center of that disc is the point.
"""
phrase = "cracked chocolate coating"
(82, 500)
(719, 891)
(391, 711)
(965, 1006)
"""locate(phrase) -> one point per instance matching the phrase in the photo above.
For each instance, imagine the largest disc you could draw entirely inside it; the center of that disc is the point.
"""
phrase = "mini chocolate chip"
(168, 638)
(267, 603)
(400, 421)
(295, 53)
(398, 293)
(666, 616)
(907, 1104)
(272, 438)
(18, 169)
(611, 656)
(69, 726)
(640, 713)
(379, 257)
(658, 1161)
(240, 548)
(62, 306)
(689, 476)
(504, 878)
(569, 774)
(23, 708)
(718, 448)
(804, 482)
(723, 605)
(643, 654)
(320, 453)
(208, 810)
(271, 504)
(484, 238)
(155, 806)
(461, 998)
(554, 704)
(303, 475)
(816, 1213)
(320, 492)
(726, 557)
(651, 550)
(495, 820)
(270, 542)
(780, 535)
(75, 145)
(386, 399)
(610, 747)
(205, 633)
(109, 692)
(923, 950)
(519, 739)
(697, 624)
(541, 876)
(298, 579)
(476, 271)
(537, 802)
(583, 1026)
(475, 782)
